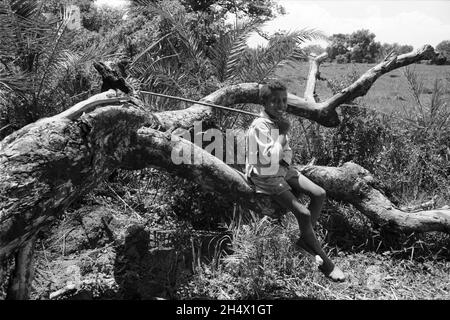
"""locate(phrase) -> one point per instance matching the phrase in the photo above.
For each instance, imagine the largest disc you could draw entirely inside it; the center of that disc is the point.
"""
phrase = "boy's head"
(274, 98)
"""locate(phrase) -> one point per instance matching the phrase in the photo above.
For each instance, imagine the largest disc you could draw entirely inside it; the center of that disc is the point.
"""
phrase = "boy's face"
(276, 104)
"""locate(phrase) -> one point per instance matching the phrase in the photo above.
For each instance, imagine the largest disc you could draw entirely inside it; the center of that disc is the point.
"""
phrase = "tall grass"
(263, 265)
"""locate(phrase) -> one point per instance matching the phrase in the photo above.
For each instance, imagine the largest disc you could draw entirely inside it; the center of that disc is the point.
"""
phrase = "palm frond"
(145, 70)
(262, 62)
(96, 52)
(13, 82)
(57, 59)
(61, 62)
(179, 24)
(229, 48)
(24, 8)
(148, 49)
(19, 20)
(166, 76)
(142, 3)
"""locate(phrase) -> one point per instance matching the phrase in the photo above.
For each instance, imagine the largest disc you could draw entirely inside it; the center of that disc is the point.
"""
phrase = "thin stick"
(124, 202)
(200, 102)
(5, 127)
(257, 115)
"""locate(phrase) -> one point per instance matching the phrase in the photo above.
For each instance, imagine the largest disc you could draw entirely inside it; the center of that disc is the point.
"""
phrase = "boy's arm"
(283, 125)
(270, 143)
(282, 140)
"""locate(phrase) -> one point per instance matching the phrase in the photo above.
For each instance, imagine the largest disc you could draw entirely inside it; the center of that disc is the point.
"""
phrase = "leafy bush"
(44, 72)
(341, 58)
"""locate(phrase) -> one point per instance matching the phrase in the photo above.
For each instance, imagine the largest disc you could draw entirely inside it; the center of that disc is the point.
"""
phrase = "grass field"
(390, 93)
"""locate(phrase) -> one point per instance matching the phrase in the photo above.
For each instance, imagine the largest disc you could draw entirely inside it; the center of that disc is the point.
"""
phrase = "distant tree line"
(361, 47)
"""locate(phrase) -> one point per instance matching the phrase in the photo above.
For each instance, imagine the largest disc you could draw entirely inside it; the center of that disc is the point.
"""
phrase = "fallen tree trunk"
(22, 277)
(41, 177)
(350, 183)
(354, 184)
(46, 165)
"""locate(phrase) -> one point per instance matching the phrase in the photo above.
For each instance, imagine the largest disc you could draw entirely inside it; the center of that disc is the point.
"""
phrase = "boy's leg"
(308, 237)
(301, 184)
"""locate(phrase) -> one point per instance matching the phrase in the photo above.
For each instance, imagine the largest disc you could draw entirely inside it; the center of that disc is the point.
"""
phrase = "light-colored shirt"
(262, 147)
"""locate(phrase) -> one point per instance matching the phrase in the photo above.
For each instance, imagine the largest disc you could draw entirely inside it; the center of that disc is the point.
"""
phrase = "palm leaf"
(229, 48)
(57, 60)
(24, 8)
(19, 20)
(149, 48)
(13, 81)
(95, 52)
(142, 3)
(179, 24)
(261, 63)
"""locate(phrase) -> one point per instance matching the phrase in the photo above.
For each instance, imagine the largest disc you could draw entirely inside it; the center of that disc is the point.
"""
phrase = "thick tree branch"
(350, 183)
(48, 164)
(364, 83)
(228, 96)
(354, 184)
(22, 277)
(325, 112)
(154, 149)
(313, 76)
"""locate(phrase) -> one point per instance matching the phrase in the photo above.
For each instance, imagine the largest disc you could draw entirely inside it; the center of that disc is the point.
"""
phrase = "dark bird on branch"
(111, 79)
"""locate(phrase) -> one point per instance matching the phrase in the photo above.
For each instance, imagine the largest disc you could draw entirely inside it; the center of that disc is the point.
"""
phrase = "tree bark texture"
(20, 283)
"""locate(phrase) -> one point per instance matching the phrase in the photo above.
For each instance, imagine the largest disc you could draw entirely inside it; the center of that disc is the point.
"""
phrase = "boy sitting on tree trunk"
(268, 168)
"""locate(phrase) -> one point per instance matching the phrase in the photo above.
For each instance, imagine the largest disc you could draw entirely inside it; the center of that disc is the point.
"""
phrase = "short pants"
(277, 184)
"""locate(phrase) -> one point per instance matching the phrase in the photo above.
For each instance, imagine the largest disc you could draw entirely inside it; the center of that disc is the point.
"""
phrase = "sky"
(407, 22)
(403, 21)
(111, 3)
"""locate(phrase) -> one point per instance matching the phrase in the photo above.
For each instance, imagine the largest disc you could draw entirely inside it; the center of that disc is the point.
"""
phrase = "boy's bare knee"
(320, 193)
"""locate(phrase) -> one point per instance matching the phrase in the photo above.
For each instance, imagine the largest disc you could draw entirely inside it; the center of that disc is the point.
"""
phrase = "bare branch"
(313, 76)
(364, 83)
